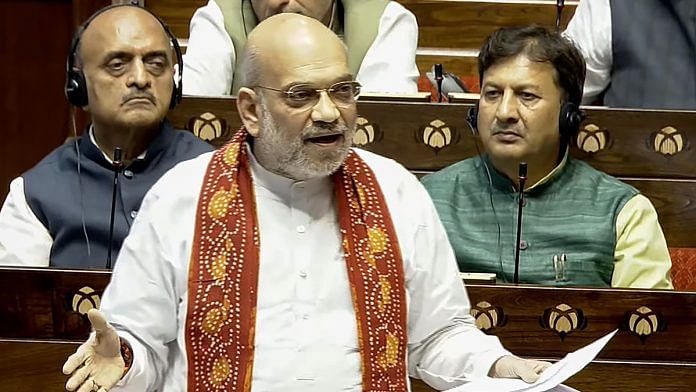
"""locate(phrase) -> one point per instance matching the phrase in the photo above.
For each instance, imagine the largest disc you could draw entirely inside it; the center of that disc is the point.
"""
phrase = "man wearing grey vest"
(120, 70)
(581, 227)
(639, 54)
(381, 37)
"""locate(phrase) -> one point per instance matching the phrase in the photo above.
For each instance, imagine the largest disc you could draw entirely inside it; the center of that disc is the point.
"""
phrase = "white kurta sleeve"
(210, 58)
(141, 300)
(590, 30)
(445, 347)
(24, 240)
(389, 66)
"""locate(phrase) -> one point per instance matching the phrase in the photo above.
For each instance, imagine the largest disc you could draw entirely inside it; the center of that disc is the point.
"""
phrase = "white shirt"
(590, 30)
(305, 327)
(389, 66)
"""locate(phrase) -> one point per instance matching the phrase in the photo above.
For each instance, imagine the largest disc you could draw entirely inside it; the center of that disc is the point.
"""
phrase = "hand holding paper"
(552, 377)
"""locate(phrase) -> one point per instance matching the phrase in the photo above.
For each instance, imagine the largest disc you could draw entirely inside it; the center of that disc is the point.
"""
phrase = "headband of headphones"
(75, 84)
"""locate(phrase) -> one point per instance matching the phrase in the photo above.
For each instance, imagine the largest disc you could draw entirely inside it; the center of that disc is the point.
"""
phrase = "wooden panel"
(34, 365)
(465, 24)
(176, 13)
(34, 39)
(39, 304)
(464, 66)
(675, 202)
(612, 377)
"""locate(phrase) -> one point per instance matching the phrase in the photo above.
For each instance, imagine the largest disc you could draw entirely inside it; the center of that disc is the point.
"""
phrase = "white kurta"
(590, 30)
(306, 336)
(389, 65)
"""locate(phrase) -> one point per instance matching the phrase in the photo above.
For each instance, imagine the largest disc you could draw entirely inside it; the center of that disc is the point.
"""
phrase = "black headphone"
(75, 83)
(569, 119)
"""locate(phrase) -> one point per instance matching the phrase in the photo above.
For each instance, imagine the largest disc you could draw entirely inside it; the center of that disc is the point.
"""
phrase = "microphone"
(522, 173)
(438, 81)
(116, 166)
(559, 12)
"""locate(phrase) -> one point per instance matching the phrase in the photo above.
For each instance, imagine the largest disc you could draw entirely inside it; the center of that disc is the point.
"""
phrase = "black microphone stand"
(438, 81)
(522, 180)
(116, 165)
(559, 13)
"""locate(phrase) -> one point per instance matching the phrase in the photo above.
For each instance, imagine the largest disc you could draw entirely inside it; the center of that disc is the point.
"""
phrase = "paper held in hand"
(550, 380)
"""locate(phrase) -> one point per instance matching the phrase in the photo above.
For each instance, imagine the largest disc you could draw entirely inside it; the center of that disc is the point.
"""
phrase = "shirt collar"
(106, 156)
(159, 144)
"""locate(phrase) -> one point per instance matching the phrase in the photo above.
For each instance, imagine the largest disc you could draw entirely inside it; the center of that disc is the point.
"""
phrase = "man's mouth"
(325, 140)
(139, 100)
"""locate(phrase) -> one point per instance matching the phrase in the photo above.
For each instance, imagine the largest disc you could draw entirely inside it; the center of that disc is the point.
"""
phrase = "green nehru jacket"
(573, 211)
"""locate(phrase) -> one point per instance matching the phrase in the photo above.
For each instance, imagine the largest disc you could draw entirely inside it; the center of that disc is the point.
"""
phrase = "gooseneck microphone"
(522, 173)
(438, 81)
(116, 165)
(559, 13)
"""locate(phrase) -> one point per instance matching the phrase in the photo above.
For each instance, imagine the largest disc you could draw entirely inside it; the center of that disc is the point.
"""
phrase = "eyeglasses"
(302, 96)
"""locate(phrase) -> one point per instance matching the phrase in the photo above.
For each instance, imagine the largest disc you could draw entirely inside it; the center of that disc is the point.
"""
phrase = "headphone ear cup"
(472, 119)
(569, 119)
(76, 88)
(176, 94)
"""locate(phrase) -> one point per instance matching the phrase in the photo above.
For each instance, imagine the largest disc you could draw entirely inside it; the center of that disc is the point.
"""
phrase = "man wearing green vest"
(581, 227)
(381, 37)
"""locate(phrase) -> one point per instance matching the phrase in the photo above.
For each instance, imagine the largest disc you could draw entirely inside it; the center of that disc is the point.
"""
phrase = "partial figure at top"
(381, 37)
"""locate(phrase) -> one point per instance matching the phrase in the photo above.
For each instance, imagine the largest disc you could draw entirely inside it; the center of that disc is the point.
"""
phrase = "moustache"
(139, 95)
(324, 129)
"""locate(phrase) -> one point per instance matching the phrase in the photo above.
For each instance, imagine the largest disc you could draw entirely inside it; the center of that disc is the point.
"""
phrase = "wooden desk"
(655, 349)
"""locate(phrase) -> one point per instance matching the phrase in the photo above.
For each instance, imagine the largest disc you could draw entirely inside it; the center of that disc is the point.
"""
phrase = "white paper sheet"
(550, 380)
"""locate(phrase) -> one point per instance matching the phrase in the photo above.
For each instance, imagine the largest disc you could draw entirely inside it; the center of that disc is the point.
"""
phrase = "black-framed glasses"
(302, 96)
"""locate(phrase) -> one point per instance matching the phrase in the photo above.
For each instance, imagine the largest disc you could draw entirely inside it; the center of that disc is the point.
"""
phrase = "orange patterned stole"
(223, 276)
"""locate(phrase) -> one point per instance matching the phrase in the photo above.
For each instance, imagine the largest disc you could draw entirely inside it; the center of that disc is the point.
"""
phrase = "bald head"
(123, 23)
(289, 43)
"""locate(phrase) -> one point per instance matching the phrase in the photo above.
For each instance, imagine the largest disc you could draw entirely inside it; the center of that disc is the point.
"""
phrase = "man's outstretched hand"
(511, 366)
(97, 364)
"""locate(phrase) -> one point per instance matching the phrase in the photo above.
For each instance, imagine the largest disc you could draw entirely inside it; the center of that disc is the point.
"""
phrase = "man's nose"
(325, 109)
(139, 77)
(507, 110)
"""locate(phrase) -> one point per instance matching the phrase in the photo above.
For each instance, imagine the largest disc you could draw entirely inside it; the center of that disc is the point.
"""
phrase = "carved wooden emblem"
(488, 316)
(563, 319)
(208, 127)
(644, 322)
(365, 132)
(85, 299)
(592, 139)
(668, 141)
(437, 135)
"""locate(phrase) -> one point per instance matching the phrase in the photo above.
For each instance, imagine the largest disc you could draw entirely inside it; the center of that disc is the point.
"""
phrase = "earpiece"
(472, 119)
(569, 119)
(75, 82)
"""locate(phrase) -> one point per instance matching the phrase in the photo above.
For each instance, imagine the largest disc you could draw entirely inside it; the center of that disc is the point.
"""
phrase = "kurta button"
(524, 202)
(301, 229)
(128, 174)
(303, 274)
(133, 214)
(523, 245)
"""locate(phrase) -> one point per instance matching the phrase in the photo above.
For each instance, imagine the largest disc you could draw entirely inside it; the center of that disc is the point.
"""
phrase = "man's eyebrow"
(122, 54)
(342, 78)
(516, 87)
